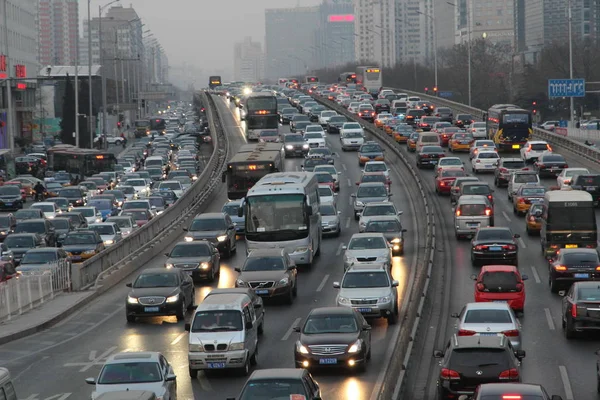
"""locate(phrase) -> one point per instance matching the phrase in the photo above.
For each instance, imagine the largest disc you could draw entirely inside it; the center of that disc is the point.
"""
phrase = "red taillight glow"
(449, 374)
(565, 166)
(503, 170)
(480, 247)
(509, 247)
(488, 211)
(531, 218)
(519, 287)
(511, 374)
(465, 332)
(511, 397)
(458, 213)
(574, 310)
(511, 333)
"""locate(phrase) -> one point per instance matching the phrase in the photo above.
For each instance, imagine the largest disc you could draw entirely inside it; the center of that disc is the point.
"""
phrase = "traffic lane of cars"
(549, 355)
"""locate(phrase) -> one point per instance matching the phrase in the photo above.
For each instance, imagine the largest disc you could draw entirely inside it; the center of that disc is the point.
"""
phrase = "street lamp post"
(435, 46)
(468, 4)
(104, 110)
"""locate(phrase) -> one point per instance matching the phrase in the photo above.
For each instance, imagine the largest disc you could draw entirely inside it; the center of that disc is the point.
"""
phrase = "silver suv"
(367, 248)
(370, 290)
(369, 192)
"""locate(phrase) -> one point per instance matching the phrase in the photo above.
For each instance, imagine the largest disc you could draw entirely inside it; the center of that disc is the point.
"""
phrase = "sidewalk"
(44, 315)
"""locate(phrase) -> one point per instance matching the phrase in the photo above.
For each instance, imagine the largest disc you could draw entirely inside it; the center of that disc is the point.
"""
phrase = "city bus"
(311, 79)
(282, 210)
(214, 81)
(158, 124)
(260, 114)
(347, 77)
(568, 221)
(142, 128)
(249, 165)
(369, 78)
(79, 162)
(509, 126)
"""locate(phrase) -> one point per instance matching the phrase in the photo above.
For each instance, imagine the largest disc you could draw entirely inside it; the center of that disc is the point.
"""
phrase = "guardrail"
(564, 142)
(25, 291)
(394, 379)
(112, 265)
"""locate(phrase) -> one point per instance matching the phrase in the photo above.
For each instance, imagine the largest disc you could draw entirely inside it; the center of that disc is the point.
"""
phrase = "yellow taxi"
(533, 219)
(382, 119)
(402, 132)
(527, 195)
(388, 127)
(411, 143)
(460, 142)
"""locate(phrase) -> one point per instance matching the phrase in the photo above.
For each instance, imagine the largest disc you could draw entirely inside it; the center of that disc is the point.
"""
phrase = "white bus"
(260, 114)
(282, 209)
(369, 78)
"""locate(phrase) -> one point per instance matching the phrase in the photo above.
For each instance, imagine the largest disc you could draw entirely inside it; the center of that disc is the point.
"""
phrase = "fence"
(28, 289)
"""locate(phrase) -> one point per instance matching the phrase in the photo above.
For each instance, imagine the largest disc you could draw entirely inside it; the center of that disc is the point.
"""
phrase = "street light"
(100, 10)
(468, 4)
(435, 45)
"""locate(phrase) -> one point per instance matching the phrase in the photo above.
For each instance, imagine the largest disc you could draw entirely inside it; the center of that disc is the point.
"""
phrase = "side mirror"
(404, 230)
(474, 277)
(336, 285)
(90, 381)
(562, 293)
(395, 283)
(520, 354)
(296, 329)
(400, 212)
(187, 327)
(237, 269)
(438, 354)
(167, 254)
(366, 327)
(185, 229)
(454, 315)
(170, 378)
(344, 247)
(129, 284)
(357, 183)
(516, 236)
(353, 195)
(249, 325)
(556, 397)
(524, 277)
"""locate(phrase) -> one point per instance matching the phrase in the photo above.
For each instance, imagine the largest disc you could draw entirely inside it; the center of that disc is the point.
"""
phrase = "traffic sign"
(445, 94)
(566, 87)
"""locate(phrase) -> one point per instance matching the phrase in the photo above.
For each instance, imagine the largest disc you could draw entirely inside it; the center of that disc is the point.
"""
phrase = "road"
(565, 368)
(76, 348)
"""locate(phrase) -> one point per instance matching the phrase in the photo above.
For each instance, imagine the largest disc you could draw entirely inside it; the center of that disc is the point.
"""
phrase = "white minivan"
(223, 334)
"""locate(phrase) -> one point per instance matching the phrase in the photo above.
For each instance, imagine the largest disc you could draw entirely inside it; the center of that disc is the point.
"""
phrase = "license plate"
(500, 301)
(571, 246)
(487, 334)
(495, 248)
(434, 162)
(8, 204)
(216, 365)
(581, 276)
(473, 224)
(516, 146)
(328, 361)
(151, 309)
(76, 257)
(262, 291)
(364, 310)
(590, 188)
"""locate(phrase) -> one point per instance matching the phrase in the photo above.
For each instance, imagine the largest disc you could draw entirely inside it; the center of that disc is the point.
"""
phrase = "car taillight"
(437, 115)
(541, 166)
(481, 247)
(444, 136)
(519, 287)
(531, 218)
(489, 196)
(511, 397)
(560, 267)
(457, 212)
(521, 200)
(511, 333)
(488, 211)
(565, 166)
(459, 122)
(480, 287)
(509, 247)
(525, 169)
(503, 170)
(465, 332)
(449, 374)
(512, 373)
(574, 310)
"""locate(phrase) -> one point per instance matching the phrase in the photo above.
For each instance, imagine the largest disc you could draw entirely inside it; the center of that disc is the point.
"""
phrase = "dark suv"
(463, 120)
(42, 227)
(444, 114)
(589, 183)
(505, 167)
(469, 361)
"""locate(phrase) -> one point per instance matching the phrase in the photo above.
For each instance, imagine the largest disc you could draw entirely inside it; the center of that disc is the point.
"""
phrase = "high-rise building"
(58, 23)
(375, 29)
(248, 61)
(290, 43)
(491, 20)
(334, 37)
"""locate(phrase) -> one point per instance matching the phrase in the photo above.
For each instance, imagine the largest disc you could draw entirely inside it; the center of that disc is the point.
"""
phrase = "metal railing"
(29, 289)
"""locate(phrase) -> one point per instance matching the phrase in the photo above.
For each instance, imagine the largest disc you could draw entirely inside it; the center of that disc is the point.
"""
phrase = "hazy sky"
(201, 32)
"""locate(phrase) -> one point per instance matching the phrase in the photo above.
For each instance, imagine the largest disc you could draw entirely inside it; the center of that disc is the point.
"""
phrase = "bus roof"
(256, 153)
(251, 147)
(286, 178)
(567, 195)
(261, 94)
(67, 148)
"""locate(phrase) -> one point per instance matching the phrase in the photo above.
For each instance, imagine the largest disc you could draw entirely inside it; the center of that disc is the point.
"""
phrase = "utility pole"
(77, 92)
(9, 114)
(90, 86)
(104, 72)
(116, 73)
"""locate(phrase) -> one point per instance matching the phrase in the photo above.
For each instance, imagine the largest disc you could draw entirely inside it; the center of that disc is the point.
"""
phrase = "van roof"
(472, 199)
(4, 375)
(224, 301)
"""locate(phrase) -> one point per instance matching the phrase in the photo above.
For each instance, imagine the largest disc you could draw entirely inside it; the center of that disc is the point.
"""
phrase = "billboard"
(341, 18)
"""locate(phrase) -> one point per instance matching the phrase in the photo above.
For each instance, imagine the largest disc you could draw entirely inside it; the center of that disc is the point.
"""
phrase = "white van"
(154, 162)
(223, 334)
(7, 390)
(428, 139)
(471, 213)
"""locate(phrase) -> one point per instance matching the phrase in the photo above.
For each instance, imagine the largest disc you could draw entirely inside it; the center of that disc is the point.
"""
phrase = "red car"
(501, 283)
(446, 134)
(446, 177)
(140, 215)
(325, 178)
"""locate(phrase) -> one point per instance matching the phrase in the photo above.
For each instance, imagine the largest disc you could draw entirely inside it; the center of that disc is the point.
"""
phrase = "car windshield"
(429, 139)
(39, 257)
(205, 224)
(580, 258)
(375, 167)
(476, 189)
(352, 126)
(10, 190)
(484, 143)
(475, 357)
(86, 211)
(371, 191)
(452, 173)
(337, 119)
(451, 161)
(130, 372)
(191, 250)
(374, 178)
(30, 227)
(60, 223)
(44, 207)
(324, 178)
(217, 321)
(103, 229)
(533, 191)
(353, 135)
(80, 238)
(383, 209)
(265, 389)
(321, 324)
(170, 185)
(89, 185)
(327, 210)
(325, 192)
(526, 178)
(155, 280)
(129, 205)
(354, 280)
(100, 204)
(370, 148)
(513, 164)
(383, 226)
(120, 222)
(319, 152)
(135, 182)
(4, 221)
(586, 293)
(264, 264)
(329, 169)
(494, 234)
(500, 281)
(62, 176)
(367, 243)
(19, 242)
(491, 316)
(127, 189)
(138, 215)
(488, 154)
(313, 136)
(293, 138)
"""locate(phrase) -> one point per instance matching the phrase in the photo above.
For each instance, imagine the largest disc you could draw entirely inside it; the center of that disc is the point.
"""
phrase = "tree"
(84, 110)
(67, 123)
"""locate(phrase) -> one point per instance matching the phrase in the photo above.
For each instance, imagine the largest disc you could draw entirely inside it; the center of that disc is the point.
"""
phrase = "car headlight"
(356, 347)
(222, 238)
(382, 258)
(305, 146)
(384, 299)
(343, 300)
(173, 299)
(332, 223)
(169, 265)
(132, 300)
(88, 252)
(300, 348)
(396, 240)
(284, 281)
(289, 147)
(188, 239)
(236, 346)
(98, 220)
(302, 249)
(205, 265)
(108, 242)
(193, 347)
(359, 203)
(349, 258)
(240, 283)
(3, 233)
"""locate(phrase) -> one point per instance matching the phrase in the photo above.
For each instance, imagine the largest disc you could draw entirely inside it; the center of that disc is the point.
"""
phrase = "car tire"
(393, 317)
(295, 289)
(227, 252)
(181, 312)
(568, 330)
(245, 370)
(254, 358)
(554, 288)
(193, 373)
(130, 319)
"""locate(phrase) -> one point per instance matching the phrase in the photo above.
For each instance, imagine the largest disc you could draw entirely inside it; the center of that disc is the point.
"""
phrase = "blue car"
(231, 208)
(105, 206)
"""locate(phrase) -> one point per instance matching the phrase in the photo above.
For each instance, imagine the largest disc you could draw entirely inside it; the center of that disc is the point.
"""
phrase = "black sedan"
(345, 327)
(198, 259)
(160, 292)
(429, 156)
(7, 225)
(10, 198)
(580, 309)
(382, 105)
(572, 265)
(550, 165)
(335, 123)
(495, 246)
(286, 115)
(168, 195)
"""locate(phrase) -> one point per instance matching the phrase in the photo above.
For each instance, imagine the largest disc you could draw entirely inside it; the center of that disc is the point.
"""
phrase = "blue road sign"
(445, 94)
(566, 87)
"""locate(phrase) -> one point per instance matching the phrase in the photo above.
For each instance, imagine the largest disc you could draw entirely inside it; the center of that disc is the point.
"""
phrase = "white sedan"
(325, 116)
(564, 179)
(449, 162)
(315, 139)
(534, 149)
(49, 209)
(326, 195)
(173, 185)
(481, 145)
(478, 130)
(140, 185)
(485, 161)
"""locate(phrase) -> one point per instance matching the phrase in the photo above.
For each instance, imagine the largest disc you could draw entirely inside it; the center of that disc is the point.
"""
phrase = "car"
(463, 120)
(271, 273)
(330, 169)
(382, 106)
(286, 114)
(495, 245)
(62, 203)
(11, 198)
(440, 125)
(447, 134)
(460, 141)
(335, 123)
(377, 166)
(429, 156)
(45, 260)
(573, 265)
(533, 149)
(457, 184)
(284, 383)
(411, 143)
(348, 127)
(28, 213)
(520, 178)
(515, 391)
(198, 259)
(366, 112)
(368, 192)
(468, 361)
(444, 114)
(108, 231)
(19, 243)
(326, 194)
(231, 208)
(449, 162)
(325, 116)
(296, 119)
(476, 188)
(135, 371)
(126, 224)
(478, 130)
(367, 177)
(526, 196)
(315, 139)
(295, 145)
(330, 219)
(484, 161)
(501, 284)
(479, 145)
(257, 301)
(414, 115)
(588, 183)
(216, 227)
(533, 219)
(505, 167)
(426, 123)
(8, 222)
(345, 327)
(550, 164)
(367, 248)
(579, 306)
(91, 214)
(38, 226)
(564, 178)
(76, 218)
(445, 178)
(401, 132)
(382, 118)
(321, 152)
(376, 209)
(76, 195)
(160, 292)
(471, 213)
(391, 227)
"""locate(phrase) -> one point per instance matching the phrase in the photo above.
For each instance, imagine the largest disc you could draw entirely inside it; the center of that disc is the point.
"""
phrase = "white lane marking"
(94, 359)
(536, 276)
(339, 250)
(344, 167)
(506, 216)
(291, 330)
(349, 182)
(323, 282)
(297, 168)
(348, 222)
(350, 200)
(522, 243)
(566, 383)
(549, 319)
(205, 383)
(178, 338)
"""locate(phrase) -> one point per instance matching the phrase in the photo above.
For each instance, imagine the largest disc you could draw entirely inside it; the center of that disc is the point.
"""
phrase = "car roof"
(472, 198)
(537, 142)
(133, 355)
(579, 250)
(380, 203)
(367, 235)
(371, 184)
(32, 220)
(43, 250)
(277, 373)
(276, 252)
(488, 306)
(366, 267)
(331, 310)
(511, 159)
(499, 268)
(160, 270)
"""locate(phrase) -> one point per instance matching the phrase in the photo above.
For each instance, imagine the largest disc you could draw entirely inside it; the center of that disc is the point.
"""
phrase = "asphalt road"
(565, 368)
(76, 348)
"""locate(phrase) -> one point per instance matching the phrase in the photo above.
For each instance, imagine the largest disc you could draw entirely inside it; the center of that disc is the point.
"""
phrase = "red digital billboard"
(341, 18)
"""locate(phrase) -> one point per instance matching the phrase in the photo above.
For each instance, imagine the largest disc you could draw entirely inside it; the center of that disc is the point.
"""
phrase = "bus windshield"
(276, 217)
(571, 219)
(515, 119)
(262, 103)
(142, 123)
(262, 122)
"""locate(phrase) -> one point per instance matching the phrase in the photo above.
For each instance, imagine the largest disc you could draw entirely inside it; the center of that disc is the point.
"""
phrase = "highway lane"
(564, 367)
(76, 348)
